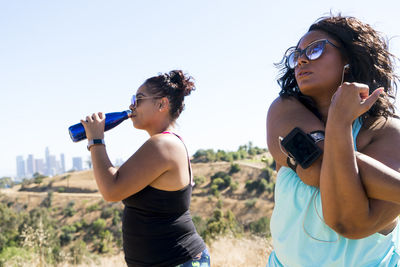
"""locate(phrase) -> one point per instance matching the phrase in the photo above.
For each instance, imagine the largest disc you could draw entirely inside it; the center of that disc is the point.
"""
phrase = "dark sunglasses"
(135, 100)
(312, 52)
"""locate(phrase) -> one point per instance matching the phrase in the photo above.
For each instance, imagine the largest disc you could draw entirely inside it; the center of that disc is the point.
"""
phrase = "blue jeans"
(202, 261)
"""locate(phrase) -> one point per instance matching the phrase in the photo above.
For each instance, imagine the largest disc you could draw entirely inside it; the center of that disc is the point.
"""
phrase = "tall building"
(52, 165)
(77, 163)
(62, 159)
(30, 166)
(39, 166)
(47, 161)
(20, 167)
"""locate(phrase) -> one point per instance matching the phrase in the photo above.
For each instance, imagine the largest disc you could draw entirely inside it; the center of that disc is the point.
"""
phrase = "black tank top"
(157, 227)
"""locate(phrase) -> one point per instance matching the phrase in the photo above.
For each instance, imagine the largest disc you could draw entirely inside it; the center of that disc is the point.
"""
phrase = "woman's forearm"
(344, 201)
(103, 170)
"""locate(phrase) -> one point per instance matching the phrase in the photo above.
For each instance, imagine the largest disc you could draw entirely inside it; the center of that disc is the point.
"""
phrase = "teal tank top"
(301, 238)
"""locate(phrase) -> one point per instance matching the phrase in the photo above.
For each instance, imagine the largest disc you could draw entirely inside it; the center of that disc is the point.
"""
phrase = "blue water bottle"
(77, 131)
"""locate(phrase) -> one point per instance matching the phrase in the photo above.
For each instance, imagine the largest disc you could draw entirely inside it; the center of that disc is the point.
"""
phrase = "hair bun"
(175, 85)
(179, 81)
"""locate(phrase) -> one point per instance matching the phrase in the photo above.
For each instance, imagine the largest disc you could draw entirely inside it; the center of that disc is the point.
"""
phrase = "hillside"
(81, 185)
(74, 206)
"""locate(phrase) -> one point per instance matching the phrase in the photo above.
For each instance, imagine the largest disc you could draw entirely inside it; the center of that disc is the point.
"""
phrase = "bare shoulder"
(166, 145)
(383, 144)
(283, 104)
(280, 111)
(384, 128)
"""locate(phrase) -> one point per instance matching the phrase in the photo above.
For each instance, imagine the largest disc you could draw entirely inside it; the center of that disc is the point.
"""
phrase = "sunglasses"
(135, 100)
(312, 52)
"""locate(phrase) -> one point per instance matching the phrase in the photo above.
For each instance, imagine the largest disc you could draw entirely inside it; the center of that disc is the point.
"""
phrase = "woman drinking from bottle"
(340, 208)
(155, 183)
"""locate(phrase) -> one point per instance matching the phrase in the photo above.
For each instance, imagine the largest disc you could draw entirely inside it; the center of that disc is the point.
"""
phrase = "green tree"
(261, 226)
(38, 178)
(235, 168)
(227, 180)
(48, 200)
(6, 182)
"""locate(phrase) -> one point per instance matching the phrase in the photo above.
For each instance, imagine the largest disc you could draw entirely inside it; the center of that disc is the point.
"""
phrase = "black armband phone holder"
(302, 148)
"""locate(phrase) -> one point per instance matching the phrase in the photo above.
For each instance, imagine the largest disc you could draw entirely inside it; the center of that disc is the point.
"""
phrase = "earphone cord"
(280, 138)
(313, 199)
(344, 69)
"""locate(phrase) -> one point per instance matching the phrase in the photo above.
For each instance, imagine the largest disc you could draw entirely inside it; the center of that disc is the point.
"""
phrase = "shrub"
(200, 224)
(202, 155)
(103, 245)
(38, 180)
(221, 223)
(93, 207)
(61, 189)
(250, 185)
(234, 168)
(9, 223)
(261, 226)
(234, 186)
(250, 203)
(14, 256)
(65, 177)
(77, 252)
(48, 200)
(266, 174)
(199, 180)
(260, 185)
(78, 225)
(67, 234)
(214, 190)
(69, 211)
(116, 217)
(219, 204)
(219, 182)
(98, 227)
(6, 182)
(107, 212)
(217, 177)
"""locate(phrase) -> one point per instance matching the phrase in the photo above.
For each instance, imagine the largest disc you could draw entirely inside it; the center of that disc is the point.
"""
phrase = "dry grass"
(234, 252)
(224, 251)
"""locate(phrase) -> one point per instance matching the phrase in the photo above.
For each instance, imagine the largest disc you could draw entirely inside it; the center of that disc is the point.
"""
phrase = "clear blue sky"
(61, 60)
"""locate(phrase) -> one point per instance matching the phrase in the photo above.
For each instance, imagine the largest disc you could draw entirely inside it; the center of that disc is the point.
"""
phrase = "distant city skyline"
(50, 165)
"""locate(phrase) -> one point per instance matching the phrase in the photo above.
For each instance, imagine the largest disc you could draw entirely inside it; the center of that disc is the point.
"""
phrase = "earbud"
(345, 67)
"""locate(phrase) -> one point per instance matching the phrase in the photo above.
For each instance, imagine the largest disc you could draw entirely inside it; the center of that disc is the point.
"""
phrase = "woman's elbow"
(110, 199)
(110, 196)
(348, 229)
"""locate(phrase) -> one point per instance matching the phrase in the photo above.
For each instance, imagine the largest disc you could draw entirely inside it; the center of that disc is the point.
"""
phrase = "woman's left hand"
(94, 126)
(351, 100)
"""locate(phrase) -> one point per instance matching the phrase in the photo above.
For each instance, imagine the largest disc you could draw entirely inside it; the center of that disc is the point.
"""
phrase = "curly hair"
(174, 85)
(367, 53)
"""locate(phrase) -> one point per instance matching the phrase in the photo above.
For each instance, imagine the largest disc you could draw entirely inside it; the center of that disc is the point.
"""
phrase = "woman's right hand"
(94, 126)
(351, 100)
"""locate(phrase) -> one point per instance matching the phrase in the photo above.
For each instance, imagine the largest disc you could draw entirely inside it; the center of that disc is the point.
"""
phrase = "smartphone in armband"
(302, 147)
